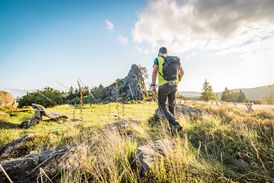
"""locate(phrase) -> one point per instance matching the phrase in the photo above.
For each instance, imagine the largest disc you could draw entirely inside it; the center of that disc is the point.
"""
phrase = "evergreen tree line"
(49, 97)
(227, 95)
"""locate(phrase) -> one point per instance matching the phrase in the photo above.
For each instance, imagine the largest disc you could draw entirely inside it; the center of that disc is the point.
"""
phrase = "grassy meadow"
(226, 145)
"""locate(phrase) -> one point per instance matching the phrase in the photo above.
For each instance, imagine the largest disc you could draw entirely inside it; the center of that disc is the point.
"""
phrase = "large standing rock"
(7, 100)
(131, 87)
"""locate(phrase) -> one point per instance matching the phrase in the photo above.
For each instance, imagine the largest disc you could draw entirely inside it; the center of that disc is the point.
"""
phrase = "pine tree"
(85, 91)
(241, 97)
(70, 95)
(208, 93)
(271, 94)
(225, 95)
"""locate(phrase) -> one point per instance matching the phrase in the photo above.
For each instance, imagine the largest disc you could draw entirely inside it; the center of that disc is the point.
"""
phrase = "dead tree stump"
(249, 107)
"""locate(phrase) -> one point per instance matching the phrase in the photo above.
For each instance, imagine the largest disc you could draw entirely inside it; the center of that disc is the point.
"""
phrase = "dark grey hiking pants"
(168, 92)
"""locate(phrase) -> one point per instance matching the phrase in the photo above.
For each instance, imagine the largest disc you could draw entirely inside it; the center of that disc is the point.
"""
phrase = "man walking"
(169, 72)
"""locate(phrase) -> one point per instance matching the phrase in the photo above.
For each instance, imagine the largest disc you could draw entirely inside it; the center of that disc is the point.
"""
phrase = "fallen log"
(12, 148)
(40, 111)
(44, 166)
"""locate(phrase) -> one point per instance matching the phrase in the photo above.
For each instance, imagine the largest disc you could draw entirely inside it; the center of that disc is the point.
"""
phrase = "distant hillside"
(257, 93)
(190, 94)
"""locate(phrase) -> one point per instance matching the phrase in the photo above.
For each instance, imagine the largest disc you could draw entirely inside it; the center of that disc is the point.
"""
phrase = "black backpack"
(171, 67)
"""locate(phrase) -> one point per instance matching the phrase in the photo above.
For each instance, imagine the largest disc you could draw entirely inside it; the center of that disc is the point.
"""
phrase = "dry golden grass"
(226, 145)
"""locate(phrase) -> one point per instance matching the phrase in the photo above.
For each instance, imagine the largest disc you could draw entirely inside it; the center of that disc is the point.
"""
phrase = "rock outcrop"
(7, 100)
(131, 87)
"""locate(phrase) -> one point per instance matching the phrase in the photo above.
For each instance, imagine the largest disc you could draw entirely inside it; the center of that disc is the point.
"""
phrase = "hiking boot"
(178, 127)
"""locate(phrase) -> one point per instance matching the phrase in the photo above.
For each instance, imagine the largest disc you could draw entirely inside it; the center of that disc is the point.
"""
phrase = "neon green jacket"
(160, 61)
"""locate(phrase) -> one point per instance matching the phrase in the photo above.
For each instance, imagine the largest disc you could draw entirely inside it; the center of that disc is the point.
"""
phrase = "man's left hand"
(152, 90)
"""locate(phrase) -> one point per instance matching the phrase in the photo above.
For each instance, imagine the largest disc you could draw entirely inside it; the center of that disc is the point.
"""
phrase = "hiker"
(169, 72)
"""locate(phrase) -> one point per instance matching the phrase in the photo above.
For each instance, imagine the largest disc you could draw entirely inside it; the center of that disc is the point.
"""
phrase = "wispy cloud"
(120, 38)
(204, 25)
(123, 40)
(109, 25)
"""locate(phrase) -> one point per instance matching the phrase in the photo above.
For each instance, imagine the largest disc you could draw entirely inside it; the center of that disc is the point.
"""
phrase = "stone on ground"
(191, 112)
(147, 155)
(7, 100)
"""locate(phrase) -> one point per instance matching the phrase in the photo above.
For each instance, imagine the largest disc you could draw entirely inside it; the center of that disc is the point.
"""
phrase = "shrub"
(47, 97)
(233, 96)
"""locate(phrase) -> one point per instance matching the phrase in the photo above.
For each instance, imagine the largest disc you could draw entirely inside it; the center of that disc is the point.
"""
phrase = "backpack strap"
(163, 56)
(160, 74)
(163, 64)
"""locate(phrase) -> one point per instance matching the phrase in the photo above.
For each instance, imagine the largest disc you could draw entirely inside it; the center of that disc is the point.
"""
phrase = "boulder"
(191, 112)
(121, 125)
(127, 128)
(132, 87)
(147, 155)
(239, 164)
(159, 113)
(7, 100)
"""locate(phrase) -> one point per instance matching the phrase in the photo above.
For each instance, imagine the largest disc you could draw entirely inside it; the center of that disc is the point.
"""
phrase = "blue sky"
(46, 42)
